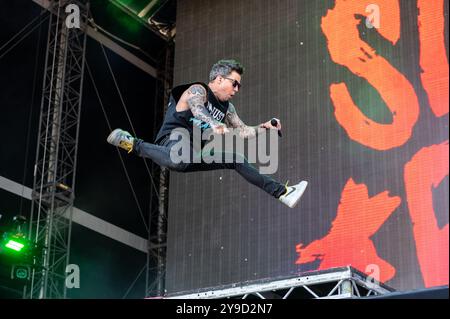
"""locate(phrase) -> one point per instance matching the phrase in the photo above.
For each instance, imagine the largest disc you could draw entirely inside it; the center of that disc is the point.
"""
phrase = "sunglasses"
(235, 83)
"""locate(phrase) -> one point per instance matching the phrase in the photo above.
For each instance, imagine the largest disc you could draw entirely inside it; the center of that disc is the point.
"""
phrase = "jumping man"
(208, 106)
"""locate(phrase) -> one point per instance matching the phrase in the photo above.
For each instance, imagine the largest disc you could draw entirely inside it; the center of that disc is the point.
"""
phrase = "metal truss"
(55, 167)
(334, 283)
(156, 257)
(164, 30)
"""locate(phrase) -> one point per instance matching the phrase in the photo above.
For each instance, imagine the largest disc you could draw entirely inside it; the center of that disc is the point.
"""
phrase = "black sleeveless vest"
(186, 119)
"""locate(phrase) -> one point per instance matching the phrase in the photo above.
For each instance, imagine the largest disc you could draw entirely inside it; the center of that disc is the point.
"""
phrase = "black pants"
(160, 154)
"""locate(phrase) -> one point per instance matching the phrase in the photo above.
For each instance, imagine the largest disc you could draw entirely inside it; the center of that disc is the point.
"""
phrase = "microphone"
(274, 122)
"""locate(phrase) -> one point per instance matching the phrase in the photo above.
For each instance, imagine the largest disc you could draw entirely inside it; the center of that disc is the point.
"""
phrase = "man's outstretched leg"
(288, 195)
(160, 154)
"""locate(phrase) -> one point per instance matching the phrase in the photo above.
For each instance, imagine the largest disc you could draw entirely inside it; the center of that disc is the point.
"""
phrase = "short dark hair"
(224, 68)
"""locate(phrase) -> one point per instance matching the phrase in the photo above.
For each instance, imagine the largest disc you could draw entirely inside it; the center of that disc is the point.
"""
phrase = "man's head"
(225, 79)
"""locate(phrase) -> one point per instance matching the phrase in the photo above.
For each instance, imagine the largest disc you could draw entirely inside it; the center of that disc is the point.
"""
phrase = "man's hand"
(220, 128)
(233, 120)
(269, 125)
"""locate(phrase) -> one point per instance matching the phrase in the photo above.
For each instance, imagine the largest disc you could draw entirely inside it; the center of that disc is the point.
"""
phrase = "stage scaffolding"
(56, 155)
(157, 239)
(55, 167)
(333, 283)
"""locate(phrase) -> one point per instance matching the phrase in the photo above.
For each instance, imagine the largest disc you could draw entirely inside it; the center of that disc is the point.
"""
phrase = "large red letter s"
(346, 48)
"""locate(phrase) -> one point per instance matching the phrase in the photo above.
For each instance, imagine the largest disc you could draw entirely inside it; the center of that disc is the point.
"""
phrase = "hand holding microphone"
(274, 122)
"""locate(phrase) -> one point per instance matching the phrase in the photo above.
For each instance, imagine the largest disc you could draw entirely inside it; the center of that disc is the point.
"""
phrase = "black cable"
(120, 155)
(26, 35)
(17, 34)
(128, 116)
(31, 113)
(96, 27)
(134, 282)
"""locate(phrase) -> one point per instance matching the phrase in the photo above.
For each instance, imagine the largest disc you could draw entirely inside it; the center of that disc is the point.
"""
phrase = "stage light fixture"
(21, 272)
(15, 242)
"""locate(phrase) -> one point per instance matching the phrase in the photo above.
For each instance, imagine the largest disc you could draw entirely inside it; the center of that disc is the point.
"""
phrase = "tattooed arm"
(233, 120)
(196, 98)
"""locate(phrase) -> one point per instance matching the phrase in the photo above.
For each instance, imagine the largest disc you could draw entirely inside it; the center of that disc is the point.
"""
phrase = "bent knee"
(178, 167)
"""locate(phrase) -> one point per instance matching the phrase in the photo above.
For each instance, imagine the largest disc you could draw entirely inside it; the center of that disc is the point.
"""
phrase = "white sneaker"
(293, 194)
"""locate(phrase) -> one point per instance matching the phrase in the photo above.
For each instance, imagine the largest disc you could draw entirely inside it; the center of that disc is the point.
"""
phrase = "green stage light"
(123, 17)
(13, 241)
(14, 245)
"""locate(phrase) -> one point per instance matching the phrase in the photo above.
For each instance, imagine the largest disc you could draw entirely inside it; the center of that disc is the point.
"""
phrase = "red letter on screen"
(425, 171)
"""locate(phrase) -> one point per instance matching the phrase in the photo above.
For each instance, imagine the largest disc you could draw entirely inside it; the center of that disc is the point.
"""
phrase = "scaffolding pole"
(56, 154)
(157, 243)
